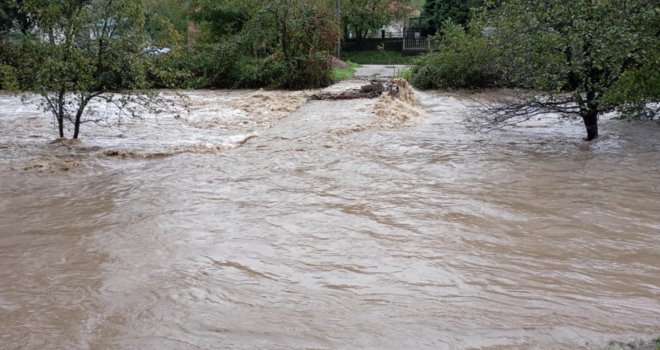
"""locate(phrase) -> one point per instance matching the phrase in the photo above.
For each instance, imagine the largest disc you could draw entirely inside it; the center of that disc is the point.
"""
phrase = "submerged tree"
(81, 50)
(584, 57)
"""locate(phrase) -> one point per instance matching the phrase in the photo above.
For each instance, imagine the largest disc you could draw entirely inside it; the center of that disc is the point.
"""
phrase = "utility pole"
(338, 5)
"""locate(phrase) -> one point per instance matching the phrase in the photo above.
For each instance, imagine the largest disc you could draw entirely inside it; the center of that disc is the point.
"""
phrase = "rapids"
(256, 220)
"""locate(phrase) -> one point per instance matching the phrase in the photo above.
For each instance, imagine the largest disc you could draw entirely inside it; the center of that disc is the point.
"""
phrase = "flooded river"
(260, 221)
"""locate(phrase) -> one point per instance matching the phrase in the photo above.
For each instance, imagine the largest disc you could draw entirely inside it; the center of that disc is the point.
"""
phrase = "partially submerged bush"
(463, 60)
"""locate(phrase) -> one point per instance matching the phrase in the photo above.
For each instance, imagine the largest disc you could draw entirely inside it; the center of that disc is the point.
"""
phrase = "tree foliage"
(464, 59)
(281, 43)
(81, 50)
(583, 53)
(457, 11)
(166, 21)
(361, 16)
(583, 57)
(222, 18)
(20, 15)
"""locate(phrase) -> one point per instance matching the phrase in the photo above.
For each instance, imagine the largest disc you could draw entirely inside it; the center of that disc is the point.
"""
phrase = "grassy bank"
(634, 345)
(339, 74)
(376, 57)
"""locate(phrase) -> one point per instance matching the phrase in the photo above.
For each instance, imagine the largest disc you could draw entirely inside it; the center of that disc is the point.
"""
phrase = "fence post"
(338, 48)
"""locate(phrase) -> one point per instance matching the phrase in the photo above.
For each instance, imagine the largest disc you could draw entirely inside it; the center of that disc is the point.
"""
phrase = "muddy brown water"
(322, 229)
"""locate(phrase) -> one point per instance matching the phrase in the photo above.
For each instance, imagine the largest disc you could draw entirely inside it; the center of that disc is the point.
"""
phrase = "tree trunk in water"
(76, 128)
(590, 118)
(60, 111)
(78, 119)
(60, 125)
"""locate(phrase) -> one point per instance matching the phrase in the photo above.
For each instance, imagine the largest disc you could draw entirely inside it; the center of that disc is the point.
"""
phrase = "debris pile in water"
(374, 89)
(398, 106)
(395, 107)
(193, 148)
(49, 164)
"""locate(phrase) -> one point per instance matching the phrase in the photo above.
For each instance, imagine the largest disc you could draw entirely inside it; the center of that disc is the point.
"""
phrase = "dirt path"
(379, 71)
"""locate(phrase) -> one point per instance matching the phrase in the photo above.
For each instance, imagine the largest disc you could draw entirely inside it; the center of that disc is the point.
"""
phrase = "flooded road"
(260, 221)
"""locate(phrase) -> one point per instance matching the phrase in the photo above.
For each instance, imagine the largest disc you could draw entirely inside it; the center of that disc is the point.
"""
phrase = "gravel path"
(378, 71)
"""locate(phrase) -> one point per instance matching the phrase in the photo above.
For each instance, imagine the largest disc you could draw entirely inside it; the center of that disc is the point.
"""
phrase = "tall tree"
(224, 18)
(361, 16)
(457, 11)
(584, 57)
(164, 18)
(19, 15)
(84, 50)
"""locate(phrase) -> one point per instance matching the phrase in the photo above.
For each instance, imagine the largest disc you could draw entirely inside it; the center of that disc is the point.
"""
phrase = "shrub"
(220, 66)
(247, 72)
(300, 72)
(208, 66)
(463, 60)
(8, 79)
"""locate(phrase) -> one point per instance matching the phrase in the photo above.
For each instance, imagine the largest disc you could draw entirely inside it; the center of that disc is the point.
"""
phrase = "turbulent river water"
(260, 220)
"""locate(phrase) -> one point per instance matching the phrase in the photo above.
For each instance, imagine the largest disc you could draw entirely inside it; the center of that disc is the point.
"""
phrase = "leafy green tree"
(17, 15)
(298, 34)
(223, 18)
(362, 16)
(277, 43)
(585, 57)
(167, 20)
(457, 11)
(83, 50)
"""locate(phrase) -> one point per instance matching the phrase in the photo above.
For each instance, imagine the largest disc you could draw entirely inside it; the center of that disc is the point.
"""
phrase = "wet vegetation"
(578, 58)
(72, 52)
(343, 73)
(633, 345)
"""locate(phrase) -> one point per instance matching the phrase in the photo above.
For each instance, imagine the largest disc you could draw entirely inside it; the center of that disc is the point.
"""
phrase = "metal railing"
(379, 35)
(417, 44)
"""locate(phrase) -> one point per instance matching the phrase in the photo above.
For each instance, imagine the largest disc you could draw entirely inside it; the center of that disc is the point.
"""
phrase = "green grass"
(339, 74)
(634, 345)
(376, 57)
(405, 74)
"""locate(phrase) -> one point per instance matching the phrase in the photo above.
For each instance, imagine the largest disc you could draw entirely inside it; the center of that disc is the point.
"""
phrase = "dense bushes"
(219, 66)
(8, 80)
(307, 71)
(462, 60)
(8, 77)
(223, 66)
(276, 44)
(207, 66)
(260, 43)
(583, 60)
